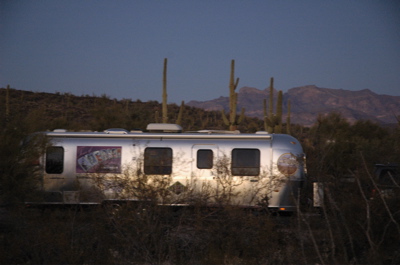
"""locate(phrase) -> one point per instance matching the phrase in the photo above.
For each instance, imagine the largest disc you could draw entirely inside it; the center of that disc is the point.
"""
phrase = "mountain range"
(307, 102)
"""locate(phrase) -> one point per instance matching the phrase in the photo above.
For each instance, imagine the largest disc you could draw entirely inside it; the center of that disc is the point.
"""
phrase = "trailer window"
(158, 161)
(54, 160)
(205, 159)
(245, 162)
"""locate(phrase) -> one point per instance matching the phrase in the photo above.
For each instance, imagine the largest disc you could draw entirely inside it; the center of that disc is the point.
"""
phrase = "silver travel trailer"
(173, 167)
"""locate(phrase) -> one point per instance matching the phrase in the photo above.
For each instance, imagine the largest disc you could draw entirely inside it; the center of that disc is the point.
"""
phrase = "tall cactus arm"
(241, 117)
(271, 96)
(224, 118)
(164, 95)
(279, 112)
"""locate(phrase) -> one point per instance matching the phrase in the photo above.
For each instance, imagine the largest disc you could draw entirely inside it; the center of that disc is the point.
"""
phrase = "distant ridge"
(309, 101)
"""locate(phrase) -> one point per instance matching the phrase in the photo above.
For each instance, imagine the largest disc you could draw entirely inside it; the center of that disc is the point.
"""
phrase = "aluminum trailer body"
(175, 168)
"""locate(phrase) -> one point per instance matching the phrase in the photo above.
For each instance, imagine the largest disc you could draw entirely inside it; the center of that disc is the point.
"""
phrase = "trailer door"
(203, 177)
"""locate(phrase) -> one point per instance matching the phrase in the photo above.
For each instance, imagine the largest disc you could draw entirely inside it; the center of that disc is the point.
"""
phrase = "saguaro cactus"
(233, 96)
(164, 100)
(271, 97)
(278, 126)
(265, 114)
(164, 95)
(273, 122)
(270, 119)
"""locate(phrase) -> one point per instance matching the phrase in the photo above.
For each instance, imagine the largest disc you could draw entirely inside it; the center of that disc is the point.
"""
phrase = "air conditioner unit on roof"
(163, 127)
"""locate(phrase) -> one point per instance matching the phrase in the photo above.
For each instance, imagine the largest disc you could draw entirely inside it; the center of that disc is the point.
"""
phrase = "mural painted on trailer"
(98, 159)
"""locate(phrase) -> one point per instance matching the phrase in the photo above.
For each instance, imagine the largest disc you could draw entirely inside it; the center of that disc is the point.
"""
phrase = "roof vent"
(60, 130)
(116, 131)
(164, 127)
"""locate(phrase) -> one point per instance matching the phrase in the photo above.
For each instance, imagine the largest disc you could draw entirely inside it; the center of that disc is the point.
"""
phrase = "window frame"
(239, 167)
(158, 163)
(54, 161)
(204, 161)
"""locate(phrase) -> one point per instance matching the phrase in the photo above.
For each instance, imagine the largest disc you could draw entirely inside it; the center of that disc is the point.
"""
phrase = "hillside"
(358, 222)
(64, 110)
(46, 111)
(309, 101)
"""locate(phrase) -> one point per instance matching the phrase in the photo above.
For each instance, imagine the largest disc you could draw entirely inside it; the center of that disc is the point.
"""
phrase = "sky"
(117, 48)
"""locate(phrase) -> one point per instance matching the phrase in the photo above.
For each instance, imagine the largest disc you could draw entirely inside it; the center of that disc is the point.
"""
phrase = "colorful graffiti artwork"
(98, 159)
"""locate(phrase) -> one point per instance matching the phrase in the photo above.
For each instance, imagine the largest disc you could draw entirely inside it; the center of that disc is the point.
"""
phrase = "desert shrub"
(358, 224)
(66, 236)
(361, 221)
(18, 166)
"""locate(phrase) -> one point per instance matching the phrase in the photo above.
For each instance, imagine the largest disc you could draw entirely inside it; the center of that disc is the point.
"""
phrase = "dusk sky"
(117, 48)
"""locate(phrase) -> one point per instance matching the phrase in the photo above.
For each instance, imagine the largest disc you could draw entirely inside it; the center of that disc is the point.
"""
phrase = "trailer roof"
(160, 131)
(141, 135)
